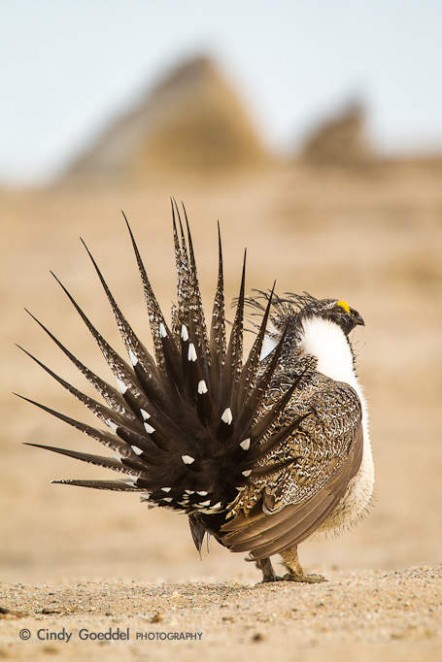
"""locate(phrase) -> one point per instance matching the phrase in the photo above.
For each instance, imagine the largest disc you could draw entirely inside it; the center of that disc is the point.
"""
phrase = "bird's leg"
(295, 571)
(268, 574)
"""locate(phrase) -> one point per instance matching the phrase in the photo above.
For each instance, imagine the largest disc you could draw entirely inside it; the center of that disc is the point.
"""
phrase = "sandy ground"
(76, 558)
(358, 615)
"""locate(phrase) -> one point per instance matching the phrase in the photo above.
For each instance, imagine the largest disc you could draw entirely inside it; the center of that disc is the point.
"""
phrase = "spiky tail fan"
(190, 423)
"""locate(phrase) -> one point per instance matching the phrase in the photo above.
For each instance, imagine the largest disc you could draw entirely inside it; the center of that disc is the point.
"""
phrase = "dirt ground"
(75, 559)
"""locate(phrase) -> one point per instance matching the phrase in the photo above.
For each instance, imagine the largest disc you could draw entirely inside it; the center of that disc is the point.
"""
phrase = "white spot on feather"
(133, 358)
(202, 387)
(227, 416)
(113, 426)
(149, 429)
(270, 341)
(191, 354)
(163, 332)
(246, 473)
(166, 489)
(121, 386)
(136, 450)
(245, 445)
(167, 499)
(204, 503)
(202, 492)
(184, 333)
(144, 414)
(187, 459)
(189, 491)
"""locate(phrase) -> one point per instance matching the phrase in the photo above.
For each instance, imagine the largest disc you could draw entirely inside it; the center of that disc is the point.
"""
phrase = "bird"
(259, 451)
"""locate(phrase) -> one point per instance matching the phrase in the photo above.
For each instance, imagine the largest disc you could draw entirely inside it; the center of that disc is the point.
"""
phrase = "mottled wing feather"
(289, 524)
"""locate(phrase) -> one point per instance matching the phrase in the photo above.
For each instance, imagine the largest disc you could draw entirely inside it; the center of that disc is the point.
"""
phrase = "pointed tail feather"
(113, 398)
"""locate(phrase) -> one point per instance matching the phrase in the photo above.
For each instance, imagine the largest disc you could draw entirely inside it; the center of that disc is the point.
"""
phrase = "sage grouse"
(260, 454)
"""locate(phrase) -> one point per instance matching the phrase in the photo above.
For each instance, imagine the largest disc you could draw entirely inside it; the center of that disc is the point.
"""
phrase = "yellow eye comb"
(344, 305)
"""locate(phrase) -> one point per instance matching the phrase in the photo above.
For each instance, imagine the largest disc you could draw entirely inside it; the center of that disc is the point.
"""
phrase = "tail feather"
(183, 270)
(99, 435)
(136, 350)
(257, 404)
(156, 318)
(117, 485)
(134, 469)
(235, 346)
(107, 415)
(197, 319)
(191, 422)
(252, 365)
(190, 314)
(121, 370)
(113, 398)
(218, 328)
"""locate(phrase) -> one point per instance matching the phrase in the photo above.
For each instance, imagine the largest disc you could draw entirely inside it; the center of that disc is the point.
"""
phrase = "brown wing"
(264, 535)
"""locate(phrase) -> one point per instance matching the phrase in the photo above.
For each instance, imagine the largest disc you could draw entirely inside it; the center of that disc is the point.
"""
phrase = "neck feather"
(328, 343)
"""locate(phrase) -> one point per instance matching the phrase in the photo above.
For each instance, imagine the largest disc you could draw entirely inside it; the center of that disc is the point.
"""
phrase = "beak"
(356, 317)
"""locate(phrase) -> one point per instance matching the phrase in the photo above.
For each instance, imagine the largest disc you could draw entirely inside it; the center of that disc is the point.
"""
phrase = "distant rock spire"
(340, 140)
(192, 121)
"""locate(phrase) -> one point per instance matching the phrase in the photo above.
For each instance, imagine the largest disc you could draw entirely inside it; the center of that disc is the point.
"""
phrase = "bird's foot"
(304, 579)
(270, 578)
(265, 565)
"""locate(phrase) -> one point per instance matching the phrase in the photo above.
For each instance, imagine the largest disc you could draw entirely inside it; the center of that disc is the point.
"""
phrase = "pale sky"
(67, 66)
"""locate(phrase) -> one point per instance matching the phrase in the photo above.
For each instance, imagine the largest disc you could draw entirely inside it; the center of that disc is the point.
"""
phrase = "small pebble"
(258, 636)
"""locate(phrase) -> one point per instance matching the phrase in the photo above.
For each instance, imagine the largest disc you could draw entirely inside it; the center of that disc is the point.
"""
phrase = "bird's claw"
(269, 579)
(304, 579)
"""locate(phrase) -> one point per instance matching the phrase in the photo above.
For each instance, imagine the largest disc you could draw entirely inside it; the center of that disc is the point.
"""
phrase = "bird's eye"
(344, 305)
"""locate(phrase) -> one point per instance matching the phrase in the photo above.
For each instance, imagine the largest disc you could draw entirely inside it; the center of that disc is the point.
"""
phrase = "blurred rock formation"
(340, 140)
(192, 121)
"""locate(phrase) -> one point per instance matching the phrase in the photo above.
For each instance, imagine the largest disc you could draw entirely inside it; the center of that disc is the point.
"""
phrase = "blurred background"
(313, 132)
